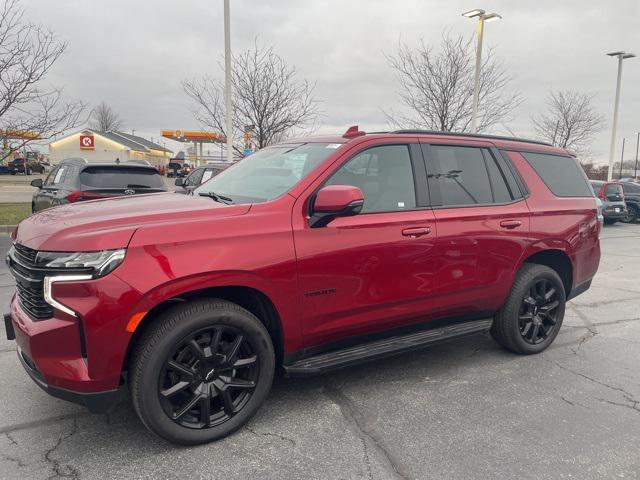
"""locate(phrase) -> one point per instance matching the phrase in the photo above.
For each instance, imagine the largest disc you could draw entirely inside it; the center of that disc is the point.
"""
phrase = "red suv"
(310, 255)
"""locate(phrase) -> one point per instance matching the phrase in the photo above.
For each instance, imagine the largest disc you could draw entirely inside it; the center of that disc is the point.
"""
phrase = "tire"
(609, 221)
(157, 387)
(631, 216)
(511, 327)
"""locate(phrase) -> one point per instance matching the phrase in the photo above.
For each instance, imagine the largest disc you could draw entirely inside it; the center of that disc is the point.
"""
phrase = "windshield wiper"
(217, 197)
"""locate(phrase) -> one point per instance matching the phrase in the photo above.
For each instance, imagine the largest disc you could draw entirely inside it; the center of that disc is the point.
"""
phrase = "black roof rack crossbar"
(473, 135)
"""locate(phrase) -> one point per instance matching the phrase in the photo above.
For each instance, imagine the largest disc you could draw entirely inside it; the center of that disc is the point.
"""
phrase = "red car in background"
(313, 254)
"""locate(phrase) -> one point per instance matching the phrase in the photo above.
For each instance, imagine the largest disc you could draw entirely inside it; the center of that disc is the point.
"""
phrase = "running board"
(382, 348)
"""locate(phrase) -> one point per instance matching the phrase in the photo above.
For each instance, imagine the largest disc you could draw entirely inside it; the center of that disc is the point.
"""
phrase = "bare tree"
(105, 119)
(29, 110)
(266, 94)
(437, 87)
(570, 120)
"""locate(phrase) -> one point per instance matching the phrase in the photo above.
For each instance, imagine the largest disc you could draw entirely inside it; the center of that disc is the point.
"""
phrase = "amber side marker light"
(134, 321)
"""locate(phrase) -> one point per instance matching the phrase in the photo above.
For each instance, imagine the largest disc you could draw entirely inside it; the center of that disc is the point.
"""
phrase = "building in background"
(98, 146)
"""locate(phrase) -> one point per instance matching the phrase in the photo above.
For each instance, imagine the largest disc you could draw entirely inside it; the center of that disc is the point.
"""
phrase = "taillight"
(601, 194)
(78, 195)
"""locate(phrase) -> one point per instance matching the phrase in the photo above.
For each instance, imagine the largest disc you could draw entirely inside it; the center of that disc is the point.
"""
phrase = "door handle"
(510, 223)
(416, 232)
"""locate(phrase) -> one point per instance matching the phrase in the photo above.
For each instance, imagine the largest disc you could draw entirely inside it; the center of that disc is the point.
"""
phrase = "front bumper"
(96, 402)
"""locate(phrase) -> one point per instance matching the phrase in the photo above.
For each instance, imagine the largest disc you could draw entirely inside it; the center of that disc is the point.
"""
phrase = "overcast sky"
(133, 54)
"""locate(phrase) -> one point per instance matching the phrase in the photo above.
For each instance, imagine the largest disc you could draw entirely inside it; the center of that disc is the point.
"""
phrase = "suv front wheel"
(201, 371)
(532, 316)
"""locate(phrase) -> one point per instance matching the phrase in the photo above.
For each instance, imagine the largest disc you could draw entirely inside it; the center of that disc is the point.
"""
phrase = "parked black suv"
(632, 199)
(76, 179)
(199, 176)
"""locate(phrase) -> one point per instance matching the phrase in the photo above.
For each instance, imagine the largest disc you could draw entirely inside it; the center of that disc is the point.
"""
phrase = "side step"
(387, 346)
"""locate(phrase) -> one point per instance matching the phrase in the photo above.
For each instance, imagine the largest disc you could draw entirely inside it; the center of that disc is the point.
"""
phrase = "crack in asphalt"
(632, 402)
(16, 460)
(573, 404)
(603, 302)
(270, 434)
(635, 404)
(38, 423)
(367, 436)
(62, 470)
(11, 439)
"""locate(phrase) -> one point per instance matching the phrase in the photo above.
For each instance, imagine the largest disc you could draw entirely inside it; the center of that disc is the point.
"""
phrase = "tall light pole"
(482, 17)
(621, 160)
(612, 150)
(227, 80)
(635, 170)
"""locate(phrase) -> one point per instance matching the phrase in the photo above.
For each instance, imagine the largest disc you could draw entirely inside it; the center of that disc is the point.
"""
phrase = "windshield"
(269, 173)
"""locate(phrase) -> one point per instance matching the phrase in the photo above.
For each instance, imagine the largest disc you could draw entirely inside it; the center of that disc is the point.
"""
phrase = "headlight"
(102, 262)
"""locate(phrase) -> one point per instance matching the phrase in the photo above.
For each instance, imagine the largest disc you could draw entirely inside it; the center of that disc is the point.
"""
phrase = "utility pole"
(635, 170)
(621, 159)
(227, 80)
(482, 17)
(621, 56)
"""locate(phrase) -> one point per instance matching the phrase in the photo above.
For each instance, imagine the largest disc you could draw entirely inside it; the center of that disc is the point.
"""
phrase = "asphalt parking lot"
(461, 410)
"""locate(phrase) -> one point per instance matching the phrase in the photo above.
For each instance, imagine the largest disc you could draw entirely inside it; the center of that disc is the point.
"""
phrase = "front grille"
(30, 280)
(26, 254)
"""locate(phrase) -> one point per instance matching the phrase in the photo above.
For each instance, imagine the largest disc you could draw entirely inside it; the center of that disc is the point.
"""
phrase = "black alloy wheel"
(532, 315)
(538, 311)
(200, 370)
(209, 377)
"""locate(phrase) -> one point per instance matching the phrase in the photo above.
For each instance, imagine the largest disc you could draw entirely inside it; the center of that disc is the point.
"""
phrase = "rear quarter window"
(562, 175)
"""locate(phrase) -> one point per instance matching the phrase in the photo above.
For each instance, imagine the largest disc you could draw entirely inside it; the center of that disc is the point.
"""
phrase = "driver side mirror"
(335, 201)
(36, 183)
(179, 182)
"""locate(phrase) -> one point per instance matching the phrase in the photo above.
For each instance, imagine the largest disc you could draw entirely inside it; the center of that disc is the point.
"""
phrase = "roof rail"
(473, 135)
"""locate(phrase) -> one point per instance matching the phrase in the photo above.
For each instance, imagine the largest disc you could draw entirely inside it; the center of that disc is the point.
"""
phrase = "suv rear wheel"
(632, 214)
(532, 316)
(201, 371)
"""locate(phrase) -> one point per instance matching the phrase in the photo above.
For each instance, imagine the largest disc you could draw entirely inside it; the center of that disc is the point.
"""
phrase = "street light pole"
(612, 150)
(482, 17)
(621, 160)
(227, 80)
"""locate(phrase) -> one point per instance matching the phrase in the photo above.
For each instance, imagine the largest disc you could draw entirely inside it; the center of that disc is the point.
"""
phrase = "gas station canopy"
(195, 137)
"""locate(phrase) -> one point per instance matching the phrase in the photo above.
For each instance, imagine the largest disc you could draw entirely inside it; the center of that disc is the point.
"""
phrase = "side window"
(51, 176)
(208, 173)
(501, 190)
(562, 175)
(460, 175)
(385, 176)
(59, 177)
(631, 188)
(194, 178)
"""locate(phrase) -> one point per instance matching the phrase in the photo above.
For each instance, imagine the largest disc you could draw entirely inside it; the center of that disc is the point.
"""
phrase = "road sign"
(86, 142)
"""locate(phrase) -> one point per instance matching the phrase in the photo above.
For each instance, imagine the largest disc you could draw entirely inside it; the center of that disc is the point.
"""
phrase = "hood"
(110, 223)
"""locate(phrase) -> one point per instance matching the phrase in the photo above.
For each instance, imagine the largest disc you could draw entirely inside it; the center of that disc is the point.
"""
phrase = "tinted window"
(631, 188)
(208, 173)
(612, 189)
(59, 176)
(384, 175)
(51, 176)
(113, 177)
(562, 175)
(501, 191)
(194, 177)
(461, 175)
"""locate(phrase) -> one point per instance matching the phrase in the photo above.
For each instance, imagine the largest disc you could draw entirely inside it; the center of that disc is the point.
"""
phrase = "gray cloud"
(133, 54)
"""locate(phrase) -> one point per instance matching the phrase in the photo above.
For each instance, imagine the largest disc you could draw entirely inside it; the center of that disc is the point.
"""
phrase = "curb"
(7, 229)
